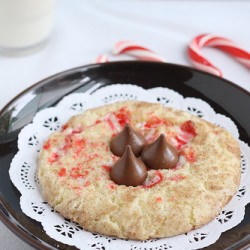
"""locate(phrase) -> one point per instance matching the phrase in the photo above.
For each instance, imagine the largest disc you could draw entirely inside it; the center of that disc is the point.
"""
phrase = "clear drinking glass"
(25, 24)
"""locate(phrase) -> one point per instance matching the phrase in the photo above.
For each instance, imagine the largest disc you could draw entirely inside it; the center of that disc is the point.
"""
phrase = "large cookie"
(75, 163)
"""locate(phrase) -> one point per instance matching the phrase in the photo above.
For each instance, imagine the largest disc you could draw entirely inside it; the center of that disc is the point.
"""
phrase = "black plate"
(224, 96)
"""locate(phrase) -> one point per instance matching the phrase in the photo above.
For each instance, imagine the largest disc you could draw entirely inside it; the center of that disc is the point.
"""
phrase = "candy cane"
(101, 59)
(226, 45)
(137, 51)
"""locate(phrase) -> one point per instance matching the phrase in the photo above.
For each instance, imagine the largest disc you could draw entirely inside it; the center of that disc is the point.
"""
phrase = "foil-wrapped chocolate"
(160, 154)
(129, 170)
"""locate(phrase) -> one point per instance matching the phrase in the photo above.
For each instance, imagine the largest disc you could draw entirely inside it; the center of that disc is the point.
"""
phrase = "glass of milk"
(25, 24)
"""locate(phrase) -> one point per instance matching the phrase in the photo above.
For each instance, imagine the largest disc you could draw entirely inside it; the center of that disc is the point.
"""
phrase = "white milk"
(25, 23)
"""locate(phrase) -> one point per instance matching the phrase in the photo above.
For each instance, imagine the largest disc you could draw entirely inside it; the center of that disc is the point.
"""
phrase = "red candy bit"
(159, 199)
(151, 136)
(111, 124)
(106, 168)
(53, 157)
(106, 148)
(77, 130)
(76, 173)
(79, 145)
(112, 186)
(65, 126)
(47, 145)
(85, 173)
(189, 127)
(190, 155)
(91, 157)
(62, 172)
(153, 122)
(67, 143)
(152, 181)
(123, 116)
(80, 142)
(180, 142)
(177, 178)
(97, 121)
(74, 131)
(86, 184)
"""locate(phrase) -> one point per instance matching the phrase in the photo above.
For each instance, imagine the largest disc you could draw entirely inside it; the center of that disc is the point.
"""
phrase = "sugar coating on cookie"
(74, 172)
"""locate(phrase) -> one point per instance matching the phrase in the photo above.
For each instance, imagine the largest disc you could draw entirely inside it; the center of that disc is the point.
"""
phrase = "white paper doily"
(24, 177)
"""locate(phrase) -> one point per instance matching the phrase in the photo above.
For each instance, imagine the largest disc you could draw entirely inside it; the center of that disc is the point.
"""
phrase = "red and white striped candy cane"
(226, 45)
(101, 59)
(137, 51)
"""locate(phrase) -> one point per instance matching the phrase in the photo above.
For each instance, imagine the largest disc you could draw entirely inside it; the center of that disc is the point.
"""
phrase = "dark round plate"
(224, 96)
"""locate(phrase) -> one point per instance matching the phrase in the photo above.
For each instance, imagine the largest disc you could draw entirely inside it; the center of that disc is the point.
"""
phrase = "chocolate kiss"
(128, 136)
(160, 154)
(129, 170)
